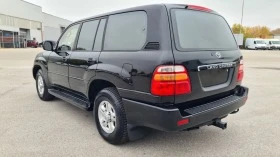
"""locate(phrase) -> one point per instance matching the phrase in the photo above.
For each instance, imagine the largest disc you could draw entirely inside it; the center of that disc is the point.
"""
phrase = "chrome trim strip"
(232, 64)
(135, 91)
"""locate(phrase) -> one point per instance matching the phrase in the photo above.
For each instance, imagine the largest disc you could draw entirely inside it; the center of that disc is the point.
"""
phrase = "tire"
(42, 92)
(117, 118)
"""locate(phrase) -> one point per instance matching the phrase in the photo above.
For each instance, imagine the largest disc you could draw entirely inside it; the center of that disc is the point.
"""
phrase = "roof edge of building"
(56, 16)
(32, 3)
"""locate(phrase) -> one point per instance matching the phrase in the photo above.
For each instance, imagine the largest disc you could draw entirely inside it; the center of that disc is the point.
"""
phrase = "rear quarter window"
(126, 31)
(196, 30)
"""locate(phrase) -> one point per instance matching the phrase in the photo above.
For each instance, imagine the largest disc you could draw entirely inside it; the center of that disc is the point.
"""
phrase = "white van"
(255, 44)
(273, 44)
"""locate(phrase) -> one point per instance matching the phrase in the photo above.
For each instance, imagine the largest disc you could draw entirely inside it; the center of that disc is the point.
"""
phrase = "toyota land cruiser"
(166, 67)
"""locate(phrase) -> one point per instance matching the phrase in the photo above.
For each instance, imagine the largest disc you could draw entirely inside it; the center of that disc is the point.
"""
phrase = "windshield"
(260, 42)
(275, 42)
(196, 30)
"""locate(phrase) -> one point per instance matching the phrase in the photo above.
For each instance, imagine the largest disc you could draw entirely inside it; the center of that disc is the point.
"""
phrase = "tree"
(252, 32)
(236, 29)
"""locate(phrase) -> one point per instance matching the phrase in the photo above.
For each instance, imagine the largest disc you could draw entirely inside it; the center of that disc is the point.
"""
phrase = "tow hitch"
(235, 111)
(218, 123)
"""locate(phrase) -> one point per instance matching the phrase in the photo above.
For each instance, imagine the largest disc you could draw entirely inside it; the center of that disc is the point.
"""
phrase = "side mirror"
(49, 45)
(255, 42)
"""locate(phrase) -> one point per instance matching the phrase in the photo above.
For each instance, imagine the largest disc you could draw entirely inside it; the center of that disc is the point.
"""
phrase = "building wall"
(24, 20)
(52, 26)
(21, 9)
(51, 33)
(9, 28)
(276, 36)
(239, 39)
(16, 16)
(36, 34)
(14, 24)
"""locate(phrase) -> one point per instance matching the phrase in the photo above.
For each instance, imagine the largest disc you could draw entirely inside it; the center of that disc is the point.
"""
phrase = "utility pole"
(241, 24)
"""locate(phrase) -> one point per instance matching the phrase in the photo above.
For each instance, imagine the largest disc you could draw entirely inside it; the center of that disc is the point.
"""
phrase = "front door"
(84, 58)
(58, 60)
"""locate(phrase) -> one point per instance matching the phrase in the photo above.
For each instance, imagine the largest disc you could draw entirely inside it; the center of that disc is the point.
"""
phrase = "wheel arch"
(95, 86)
(40, 66)
(35, 69)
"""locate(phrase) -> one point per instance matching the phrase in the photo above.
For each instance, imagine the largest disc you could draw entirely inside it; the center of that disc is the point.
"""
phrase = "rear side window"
(87, 35)
(196, 30)
(126, 31)
(99, 36)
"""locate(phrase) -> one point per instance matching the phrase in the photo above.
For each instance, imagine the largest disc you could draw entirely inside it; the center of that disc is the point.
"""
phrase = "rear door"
(83, 56)
(205, 45)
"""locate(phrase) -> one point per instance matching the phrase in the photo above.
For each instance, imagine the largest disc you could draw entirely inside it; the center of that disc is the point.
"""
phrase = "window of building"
(87, 35)
(126, 31)
(67, 40)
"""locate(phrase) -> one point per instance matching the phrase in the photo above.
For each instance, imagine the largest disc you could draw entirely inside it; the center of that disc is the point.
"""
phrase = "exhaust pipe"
(218, 123)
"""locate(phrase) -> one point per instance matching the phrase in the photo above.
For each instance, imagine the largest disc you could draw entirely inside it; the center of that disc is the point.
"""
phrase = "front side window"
(126, 31)
(196, 30)
(67, 41)
(260, 42)
(87, 35)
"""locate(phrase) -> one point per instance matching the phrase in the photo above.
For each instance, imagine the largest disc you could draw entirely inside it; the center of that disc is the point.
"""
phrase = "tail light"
(183, 122)
(240, 71)
(170, 80)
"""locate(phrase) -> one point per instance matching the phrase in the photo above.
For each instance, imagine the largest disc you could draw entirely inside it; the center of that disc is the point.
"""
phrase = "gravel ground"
(31, 127)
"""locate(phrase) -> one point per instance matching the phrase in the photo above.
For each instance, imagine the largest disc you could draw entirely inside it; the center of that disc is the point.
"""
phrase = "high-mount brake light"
(170, 80)
(199, 8)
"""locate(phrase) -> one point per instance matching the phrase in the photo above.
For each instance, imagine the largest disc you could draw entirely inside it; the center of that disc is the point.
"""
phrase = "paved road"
(30, 127)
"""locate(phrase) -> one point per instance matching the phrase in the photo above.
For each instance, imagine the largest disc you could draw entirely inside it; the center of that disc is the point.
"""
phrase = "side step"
(70, 98)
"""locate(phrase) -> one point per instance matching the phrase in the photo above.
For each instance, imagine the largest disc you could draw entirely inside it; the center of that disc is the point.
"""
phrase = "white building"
(21, 21)
(239, 38)
(276, 36)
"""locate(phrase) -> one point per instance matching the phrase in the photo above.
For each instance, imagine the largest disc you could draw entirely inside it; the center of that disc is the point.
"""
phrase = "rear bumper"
(140, 114)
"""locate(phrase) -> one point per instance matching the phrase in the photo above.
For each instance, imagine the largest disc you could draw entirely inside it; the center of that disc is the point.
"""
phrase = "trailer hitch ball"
(218, 123)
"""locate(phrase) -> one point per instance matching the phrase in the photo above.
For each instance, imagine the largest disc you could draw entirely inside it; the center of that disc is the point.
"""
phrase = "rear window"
(196, 30)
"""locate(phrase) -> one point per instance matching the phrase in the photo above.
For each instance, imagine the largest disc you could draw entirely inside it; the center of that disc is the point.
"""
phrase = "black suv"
(166, 67)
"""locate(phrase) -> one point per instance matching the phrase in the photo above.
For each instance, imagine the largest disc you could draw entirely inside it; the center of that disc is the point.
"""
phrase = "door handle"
(91, 60)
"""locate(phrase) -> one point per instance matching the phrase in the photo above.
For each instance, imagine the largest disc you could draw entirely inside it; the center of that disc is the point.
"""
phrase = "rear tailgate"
(205, 45)
(208, 74)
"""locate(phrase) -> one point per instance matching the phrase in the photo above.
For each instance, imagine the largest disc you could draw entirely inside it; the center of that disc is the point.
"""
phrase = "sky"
(256, 12)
